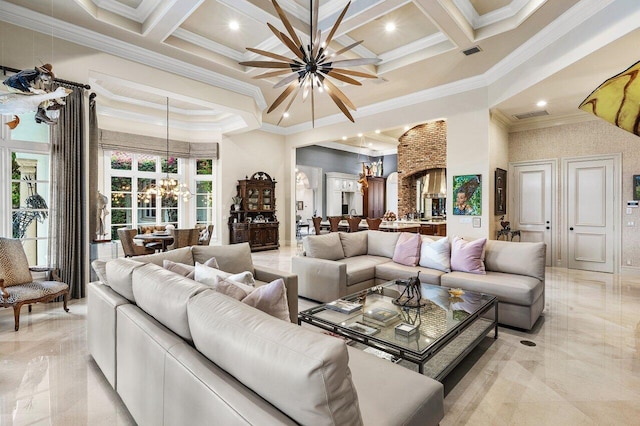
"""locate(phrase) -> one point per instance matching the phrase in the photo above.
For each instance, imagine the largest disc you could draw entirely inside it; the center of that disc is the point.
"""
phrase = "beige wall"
(499, 158)
(586, 139)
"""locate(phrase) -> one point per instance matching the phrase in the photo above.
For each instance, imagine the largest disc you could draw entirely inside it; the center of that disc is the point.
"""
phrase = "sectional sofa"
(338, 264)
(177, 352)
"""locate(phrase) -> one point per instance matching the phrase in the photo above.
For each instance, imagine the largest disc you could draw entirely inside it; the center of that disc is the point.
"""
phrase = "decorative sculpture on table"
(36, 209)
(411, 297)
(30, 90)
(101, 212)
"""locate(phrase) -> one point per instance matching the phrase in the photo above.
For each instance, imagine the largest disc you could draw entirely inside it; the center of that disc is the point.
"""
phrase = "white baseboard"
(629, 270)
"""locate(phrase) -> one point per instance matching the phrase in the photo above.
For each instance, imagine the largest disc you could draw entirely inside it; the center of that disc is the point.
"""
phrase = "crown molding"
(208, 44)
(501, 119)
(550, 121)
(23, 17)
(139, 14)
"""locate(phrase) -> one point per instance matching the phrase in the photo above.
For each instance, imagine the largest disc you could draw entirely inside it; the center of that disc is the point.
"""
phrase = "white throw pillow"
(207, 275)
(270, 298)
(185, 270)
(435, 254)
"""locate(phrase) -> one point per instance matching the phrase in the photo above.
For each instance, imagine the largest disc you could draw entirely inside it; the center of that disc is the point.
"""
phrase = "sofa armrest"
(320, 279)
(266, 274)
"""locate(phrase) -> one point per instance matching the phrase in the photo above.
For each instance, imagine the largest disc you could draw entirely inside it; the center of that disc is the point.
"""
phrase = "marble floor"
(584, 369)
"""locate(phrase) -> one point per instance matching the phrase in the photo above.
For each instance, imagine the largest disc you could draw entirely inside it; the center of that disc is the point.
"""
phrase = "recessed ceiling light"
(359, 135)
(390, 27)
(285, 115)
(542, 103)
(344, 138)
(234, 25)
(377, 131)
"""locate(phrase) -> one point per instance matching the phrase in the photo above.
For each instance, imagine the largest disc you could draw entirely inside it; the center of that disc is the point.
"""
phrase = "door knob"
(571, 229)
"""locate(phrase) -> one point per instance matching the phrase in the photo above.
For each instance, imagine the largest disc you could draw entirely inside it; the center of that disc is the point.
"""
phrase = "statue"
(101, 215)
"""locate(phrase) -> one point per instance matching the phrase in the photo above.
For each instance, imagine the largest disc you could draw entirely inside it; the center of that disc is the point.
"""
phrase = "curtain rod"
(59, 80)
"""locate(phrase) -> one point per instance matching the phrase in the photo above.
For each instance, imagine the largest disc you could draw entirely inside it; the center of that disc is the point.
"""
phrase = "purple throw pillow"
(407, 250)
(466, 256)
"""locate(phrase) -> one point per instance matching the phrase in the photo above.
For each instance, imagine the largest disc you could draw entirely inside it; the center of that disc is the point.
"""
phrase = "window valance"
(120, 141)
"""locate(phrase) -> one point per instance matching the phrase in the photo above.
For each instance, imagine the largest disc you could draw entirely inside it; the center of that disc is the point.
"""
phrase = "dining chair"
(354, 223)
(334, 221)
(128, 246)
(374, 223)
(184, 238)
(316, 225)
(205, 235)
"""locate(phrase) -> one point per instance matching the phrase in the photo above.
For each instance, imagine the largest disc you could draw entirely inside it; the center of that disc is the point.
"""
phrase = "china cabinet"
(255, 220)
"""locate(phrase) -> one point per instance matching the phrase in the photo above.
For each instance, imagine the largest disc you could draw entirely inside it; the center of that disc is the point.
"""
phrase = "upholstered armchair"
(128, 246)
(17, 285)
(205, 235)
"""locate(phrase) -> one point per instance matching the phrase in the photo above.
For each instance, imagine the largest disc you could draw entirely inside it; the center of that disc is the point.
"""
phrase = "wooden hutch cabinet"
(255, 221)
(374, 200)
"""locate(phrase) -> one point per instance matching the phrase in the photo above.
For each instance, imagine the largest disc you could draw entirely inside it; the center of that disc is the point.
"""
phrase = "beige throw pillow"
(14, 266)
(270, 298)
(231, 288)
(207, 275)
(185, 270)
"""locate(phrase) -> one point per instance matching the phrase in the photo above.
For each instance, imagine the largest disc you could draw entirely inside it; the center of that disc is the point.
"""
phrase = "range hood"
(434, 184)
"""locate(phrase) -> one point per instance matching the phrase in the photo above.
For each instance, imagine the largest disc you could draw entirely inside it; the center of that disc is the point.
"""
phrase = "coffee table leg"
(421, 368)
(495, 335)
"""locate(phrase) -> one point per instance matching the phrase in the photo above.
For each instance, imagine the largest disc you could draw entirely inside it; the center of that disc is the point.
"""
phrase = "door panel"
(590, 199)
(532, 201)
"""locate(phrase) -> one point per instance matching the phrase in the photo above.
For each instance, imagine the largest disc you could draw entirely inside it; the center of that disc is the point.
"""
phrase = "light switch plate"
(477, 222)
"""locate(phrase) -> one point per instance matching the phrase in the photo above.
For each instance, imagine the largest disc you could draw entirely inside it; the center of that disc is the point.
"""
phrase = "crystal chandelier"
(168, 188)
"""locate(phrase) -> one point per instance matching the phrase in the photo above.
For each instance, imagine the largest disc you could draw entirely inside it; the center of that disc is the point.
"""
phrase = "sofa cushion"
(14, 266)
(270, 299)
(304, 374)
(233, 258)
(407, 251)
(164, 295)
(381, 243)
(509, 288)
(467, 256)
(435, 254)
(119, 275)
(353, 243)
(326, 246)
(362, 268)
(395, 271)
(100, 268)
(516, 258)
(181, 255)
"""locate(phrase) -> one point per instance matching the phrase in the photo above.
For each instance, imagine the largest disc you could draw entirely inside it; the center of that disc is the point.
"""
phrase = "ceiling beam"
(165, 20)
(450, 20)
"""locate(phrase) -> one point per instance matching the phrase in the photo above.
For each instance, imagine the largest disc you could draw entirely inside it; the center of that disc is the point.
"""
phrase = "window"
(128, 175)
(25, 215)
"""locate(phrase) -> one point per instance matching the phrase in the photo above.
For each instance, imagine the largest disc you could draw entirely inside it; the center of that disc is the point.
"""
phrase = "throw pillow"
(270, 298)
(326, 246)
(231, 288)
(206, 275)
(185, 270)
(466, 256)
(14, 266)
(100, 268)
(435, 254)
(353, 243)
(407, 251)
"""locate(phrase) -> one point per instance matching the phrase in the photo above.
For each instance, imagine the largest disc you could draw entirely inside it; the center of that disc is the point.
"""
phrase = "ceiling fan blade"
(290, 88)
(316, 45)
(333, 90)
(293, 97)
(287, 80)
(349, 47)
(265, 64)
(353, 62)
(287, 24)
(287, 42)
(314, 31)
(304, 83)
(351, 72)
(269, 54)
(272, 74)
(343, 108)
(313, 110)
(341, 77)
(336, 25)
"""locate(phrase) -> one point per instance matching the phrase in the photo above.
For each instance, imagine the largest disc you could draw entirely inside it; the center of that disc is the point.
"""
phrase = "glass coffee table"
(435, 336)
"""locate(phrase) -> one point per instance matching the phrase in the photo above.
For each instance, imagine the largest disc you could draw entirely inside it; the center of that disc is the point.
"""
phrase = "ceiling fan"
(312, 65)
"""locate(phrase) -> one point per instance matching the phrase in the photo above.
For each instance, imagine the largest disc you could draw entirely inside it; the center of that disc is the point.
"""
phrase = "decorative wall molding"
(550, 121)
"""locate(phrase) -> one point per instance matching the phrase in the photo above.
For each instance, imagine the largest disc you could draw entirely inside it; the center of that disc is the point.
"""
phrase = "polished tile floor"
(584, 369)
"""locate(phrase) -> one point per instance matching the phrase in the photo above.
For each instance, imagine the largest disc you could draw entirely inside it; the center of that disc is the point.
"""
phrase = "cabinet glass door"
(266, 199)
(252, 199)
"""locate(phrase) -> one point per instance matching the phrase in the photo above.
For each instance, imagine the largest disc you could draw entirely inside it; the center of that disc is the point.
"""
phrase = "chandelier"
(168, 188)
(312, 64)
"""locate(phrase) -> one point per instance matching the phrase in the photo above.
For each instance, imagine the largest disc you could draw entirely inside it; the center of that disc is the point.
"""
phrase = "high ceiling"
(424, 51)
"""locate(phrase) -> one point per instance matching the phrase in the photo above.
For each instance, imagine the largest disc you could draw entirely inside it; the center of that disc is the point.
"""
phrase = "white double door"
(588, 209)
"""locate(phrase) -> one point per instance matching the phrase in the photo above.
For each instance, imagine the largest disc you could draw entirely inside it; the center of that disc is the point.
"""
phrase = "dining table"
(164, 239)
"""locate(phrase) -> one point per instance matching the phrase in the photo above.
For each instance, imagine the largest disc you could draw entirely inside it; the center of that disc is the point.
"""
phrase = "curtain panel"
(67, 230)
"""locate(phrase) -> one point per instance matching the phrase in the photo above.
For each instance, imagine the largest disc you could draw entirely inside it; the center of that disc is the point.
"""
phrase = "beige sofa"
(179, 353)
(338, 264)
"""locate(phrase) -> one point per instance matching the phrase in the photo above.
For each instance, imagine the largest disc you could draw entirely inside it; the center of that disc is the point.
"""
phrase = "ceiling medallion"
(312, 64)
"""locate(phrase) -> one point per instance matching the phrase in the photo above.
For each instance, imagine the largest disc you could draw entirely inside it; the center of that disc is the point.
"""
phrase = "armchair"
(17, 286)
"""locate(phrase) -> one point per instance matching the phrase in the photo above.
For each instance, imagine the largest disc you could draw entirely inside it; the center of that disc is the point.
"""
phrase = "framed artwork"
(501, 192)
(467, 192)
(300, 205)
(636, 187)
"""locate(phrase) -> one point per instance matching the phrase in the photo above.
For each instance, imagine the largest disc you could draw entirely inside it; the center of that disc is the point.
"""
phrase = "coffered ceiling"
(194, 38)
